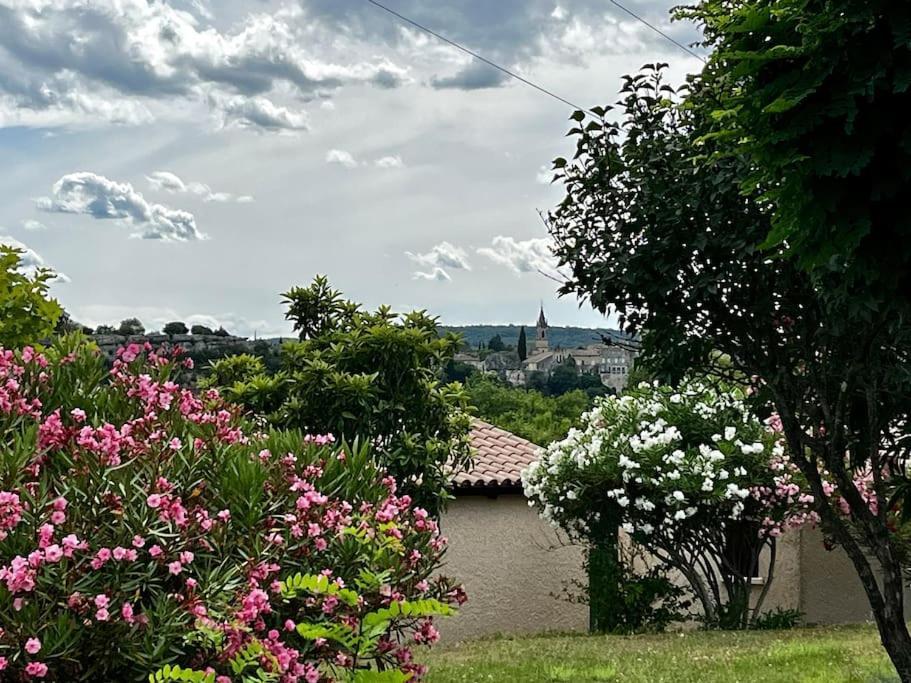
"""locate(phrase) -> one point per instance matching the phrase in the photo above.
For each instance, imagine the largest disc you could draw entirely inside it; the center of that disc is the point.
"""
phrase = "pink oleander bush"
(148, 530)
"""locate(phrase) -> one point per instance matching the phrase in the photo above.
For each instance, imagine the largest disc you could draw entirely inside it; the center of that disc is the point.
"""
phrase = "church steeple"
(541, 343)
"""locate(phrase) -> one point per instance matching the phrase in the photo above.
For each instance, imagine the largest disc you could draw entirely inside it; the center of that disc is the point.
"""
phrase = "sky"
(192, 159)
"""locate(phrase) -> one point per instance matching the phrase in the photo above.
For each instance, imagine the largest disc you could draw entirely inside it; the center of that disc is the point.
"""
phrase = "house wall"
(830, 591)
(512, 564)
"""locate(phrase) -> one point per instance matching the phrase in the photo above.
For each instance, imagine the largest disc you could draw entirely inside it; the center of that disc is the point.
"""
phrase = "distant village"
(612, 363)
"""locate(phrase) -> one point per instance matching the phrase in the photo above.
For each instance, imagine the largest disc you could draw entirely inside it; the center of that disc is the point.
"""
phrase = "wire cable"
(658, 31)
(512, 74)
(474, 54)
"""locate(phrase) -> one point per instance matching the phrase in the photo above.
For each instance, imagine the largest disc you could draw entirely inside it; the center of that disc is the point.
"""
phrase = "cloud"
(475, 76)
(348, 160)
(513, 33)
(437, 274)
(165, 181)
(389, 162)
(31, 224)
(524, 256)
(260, 113)
(94, 195)
(442, 255)
(341, 157)
(30, 261)
(129, 61)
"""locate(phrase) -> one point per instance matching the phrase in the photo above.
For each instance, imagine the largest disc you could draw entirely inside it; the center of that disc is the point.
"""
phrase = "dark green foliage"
(457, 371)
(105, 329)
(777, 619)
(367, 375)
(175, 328)
(496, 344)
(522, 344)
(526, 413)
(623, 599)
(221, 332)
(815, 93)
(27, 315)
(201, 329)
(131, 326)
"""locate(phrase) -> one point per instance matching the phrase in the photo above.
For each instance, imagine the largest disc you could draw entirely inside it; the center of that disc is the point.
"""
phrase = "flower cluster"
(142, 525)
(667, 459)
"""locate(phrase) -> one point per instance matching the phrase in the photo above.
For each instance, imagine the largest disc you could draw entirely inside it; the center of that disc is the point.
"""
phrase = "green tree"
(522, 345)
(201, 329)
(496, 344)
(27, 314)
(131, 326)
(175, 328)
(526, 413)
(369, 375)
(105, 329)
(655, 225)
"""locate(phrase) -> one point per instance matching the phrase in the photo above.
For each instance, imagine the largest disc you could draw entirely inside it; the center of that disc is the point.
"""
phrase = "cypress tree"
(522, 345)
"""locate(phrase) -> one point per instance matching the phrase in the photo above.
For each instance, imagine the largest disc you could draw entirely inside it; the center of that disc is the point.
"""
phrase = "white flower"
(708, 485)
(627, 527)
(730, 433)
(678, 495)
(680, 514)
(571, 494)
(622, 501)
(646, 528)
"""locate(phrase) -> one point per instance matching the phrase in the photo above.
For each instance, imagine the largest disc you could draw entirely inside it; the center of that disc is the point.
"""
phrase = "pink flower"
(53, 553)
(175, 568)
(101, 601)
(138, 541)
(126, 611)
(153, 501)
(156, 551)
(3, 663)
(32, 646)
(102, 614)
(36, 669)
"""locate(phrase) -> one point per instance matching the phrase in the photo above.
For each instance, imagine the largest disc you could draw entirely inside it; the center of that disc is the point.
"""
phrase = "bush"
(201, 329)
(690, 474)
(144, 527)
(368, 375)
(175, 328)
(131, 326)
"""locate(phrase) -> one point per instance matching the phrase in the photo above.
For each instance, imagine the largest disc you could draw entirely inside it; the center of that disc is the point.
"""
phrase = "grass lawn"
(823, 655)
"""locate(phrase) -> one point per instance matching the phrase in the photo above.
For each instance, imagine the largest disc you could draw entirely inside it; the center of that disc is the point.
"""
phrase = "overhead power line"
(512, 74)
(474, 54)
(658, 31)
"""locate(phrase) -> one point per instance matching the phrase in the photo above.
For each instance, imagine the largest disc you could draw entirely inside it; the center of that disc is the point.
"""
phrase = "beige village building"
(515, 566)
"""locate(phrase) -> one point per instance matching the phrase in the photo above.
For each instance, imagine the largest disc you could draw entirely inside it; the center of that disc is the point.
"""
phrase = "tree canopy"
(656, 225)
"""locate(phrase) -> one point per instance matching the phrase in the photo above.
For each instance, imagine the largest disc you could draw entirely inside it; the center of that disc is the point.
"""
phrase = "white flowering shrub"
(690, 474)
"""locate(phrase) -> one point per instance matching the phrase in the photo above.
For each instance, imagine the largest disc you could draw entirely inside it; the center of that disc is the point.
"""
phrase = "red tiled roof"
(499, 457)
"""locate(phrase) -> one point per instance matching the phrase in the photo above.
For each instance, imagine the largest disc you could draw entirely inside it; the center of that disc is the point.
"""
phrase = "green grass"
(809, 655)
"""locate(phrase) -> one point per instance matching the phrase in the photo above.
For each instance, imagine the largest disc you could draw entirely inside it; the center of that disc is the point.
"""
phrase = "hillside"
(567, 337)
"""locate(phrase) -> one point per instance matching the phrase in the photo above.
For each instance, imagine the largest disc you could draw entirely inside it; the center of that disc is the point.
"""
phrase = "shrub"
(690, 474)
(368, 375)
(144, 527)
(131, 326)
(201, 329)
(175, 328)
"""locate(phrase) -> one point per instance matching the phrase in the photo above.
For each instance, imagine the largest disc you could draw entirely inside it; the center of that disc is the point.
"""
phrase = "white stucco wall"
(512, 564)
